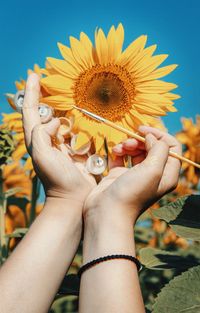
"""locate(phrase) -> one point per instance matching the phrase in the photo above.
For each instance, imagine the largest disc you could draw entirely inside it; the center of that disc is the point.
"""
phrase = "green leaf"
(67, 304)
(12, 191)
(156, 259)
(182, 294)
(143, 234)
(18, 201)
(70, 285)
(18, 233)
(183, 216)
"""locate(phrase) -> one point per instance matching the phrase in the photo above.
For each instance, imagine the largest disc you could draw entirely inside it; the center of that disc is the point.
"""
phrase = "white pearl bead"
(18, 100)
(96, 165)
(45, 112)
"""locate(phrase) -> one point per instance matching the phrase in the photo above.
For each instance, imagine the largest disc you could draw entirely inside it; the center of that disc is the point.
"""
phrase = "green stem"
(34, 198)
(2, 220)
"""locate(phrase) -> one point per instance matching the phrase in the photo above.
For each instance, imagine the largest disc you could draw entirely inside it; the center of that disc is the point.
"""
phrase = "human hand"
(61, 176)
(129, 191)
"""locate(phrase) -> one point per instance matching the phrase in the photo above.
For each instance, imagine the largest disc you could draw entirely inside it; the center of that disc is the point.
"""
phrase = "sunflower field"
(100, 79)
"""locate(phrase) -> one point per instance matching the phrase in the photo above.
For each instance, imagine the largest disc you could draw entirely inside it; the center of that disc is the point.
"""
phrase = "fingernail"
(117, 147)
(142, 128)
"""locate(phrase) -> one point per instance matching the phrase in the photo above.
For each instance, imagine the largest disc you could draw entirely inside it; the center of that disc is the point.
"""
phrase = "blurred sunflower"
(190, 138)
(172, 239)
(14, 176)
(15, 218)
(122, 86)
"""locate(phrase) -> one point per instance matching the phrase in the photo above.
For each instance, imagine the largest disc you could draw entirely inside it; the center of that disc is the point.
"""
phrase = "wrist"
(68, 195)
(64, 201)
(66, 211)
(107, 234)
(109, 212)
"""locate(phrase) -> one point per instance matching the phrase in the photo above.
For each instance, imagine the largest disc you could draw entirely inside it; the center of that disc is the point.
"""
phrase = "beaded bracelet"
(107, 258)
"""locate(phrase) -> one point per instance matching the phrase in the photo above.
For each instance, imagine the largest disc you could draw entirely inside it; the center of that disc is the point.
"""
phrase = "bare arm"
(111, 286)
(110, 212)
(30, 277)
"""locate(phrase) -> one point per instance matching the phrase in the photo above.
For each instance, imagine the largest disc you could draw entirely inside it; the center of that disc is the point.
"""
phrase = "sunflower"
(190, 138)
(122, 86)
(15, 218)
(15, 176)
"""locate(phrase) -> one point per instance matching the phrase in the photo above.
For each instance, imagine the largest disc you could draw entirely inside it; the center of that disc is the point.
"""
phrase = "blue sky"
(29, 31)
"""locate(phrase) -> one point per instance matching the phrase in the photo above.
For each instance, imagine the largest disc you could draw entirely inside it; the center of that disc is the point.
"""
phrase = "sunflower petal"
(172, 96)
(59, 102)
(158, 73)
(86, 42)
(63, 68)
(183, 138)
(57, 84)
(141, 59)
(132, 50)
(153, 63)
(152, 98)
(79, 52)
(148, 108)
(98, 141)
(67, 54)
(101, 47)
(119, 38)
(112, 45)
(187, 123)
(158, 86)
(19, 152)
(82, 140)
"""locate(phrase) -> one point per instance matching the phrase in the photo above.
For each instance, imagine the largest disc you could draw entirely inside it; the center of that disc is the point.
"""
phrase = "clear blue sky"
(29, 31)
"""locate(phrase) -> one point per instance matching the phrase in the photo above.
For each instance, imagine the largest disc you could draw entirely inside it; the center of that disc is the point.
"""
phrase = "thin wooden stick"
(132, 134)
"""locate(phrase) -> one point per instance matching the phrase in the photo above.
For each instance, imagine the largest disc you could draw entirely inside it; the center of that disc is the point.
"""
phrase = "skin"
(109, 210)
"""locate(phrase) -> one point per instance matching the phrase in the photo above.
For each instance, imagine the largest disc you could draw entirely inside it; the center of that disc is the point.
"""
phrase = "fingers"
(172, 168)
(157, 156)
(131, 147)
(30, 113)
(41, 137)
(161, 135)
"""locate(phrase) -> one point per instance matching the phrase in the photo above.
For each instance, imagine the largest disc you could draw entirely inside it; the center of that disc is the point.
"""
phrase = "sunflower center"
(105, 90)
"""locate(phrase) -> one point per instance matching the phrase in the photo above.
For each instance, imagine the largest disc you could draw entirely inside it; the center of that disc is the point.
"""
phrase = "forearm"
(37, 266)
(111, 286)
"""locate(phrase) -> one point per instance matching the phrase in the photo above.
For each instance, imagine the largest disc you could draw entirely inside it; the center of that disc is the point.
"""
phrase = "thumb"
(157, 156)
(150, 140)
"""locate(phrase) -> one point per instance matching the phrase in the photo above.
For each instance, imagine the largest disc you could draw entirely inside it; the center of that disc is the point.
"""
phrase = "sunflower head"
(123, 86)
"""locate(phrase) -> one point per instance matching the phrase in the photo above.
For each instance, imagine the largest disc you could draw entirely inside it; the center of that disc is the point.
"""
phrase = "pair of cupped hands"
(124, 191)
